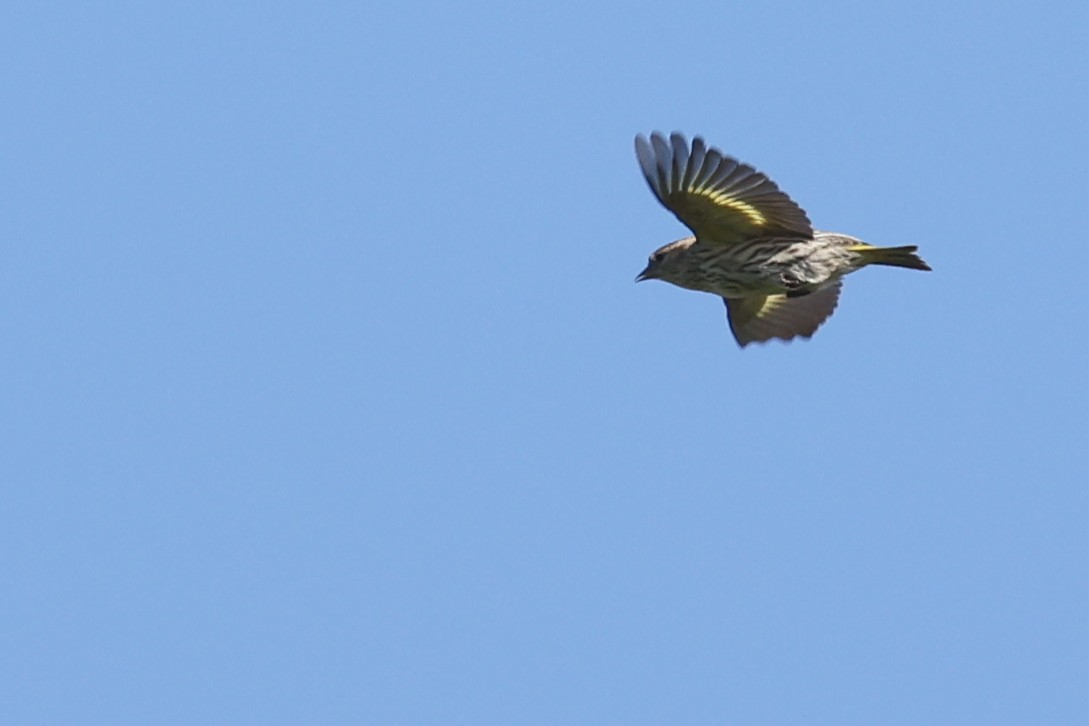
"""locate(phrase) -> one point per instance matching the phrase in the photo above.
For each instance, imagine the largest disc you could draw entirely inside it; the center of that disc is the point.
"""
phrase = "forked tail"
(891, 256)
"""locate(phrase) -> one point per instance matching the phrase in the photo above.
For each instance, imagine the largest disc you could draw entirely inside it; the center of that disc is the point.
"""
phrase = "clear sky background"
(327, 394)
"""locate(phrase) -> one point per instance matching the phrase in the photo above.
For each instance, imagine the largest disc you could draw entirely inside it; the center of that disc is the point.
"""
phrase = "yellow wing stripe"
(725, 200)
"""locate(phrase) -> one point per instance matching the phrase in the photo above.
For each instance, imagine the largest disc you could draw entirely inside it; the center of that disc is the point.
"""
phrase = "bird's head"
(666, 261)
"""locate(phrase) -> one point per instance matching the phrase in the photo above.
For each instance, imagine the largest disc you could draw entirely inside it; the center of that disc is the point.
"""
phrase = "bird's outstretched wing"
(720, 199)
(760, 318)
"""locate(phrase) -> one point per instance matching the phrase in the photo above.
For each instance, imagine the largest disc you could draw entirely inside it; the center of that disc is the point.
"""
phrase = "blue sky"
(328, 397)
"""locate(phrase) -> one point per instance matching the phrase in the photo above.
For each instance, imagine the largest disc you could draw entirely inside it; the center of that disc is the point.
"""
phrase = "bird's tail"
(891, 256)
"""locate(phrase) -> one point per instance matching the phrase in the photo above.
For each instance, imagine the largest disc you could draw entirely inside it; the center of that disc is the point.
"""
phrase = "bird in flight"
(752, 245)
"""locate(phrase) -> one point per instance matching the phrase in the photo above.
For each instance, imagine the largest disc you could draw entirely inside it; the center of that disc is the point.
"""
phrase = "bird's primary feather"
(759, 318)
(719, 198)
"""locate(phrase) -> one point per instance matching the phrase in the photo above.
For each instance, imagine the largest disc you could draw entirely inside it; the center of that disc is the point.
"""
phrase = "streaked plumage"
(753, 246)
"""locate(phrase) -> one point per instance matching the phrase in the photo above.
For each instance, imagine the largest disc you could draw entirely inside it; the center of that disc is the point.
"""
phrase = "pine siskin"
(753, 245)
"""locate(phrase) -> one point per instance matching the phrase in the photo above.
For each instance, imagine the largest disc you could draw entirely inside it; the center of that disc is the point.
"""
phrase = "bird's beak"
(644, 275)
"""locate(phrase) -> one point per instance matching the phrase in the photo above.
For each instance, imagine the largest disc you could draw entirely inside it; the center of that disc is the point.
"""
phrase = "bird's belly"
(765, 279)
